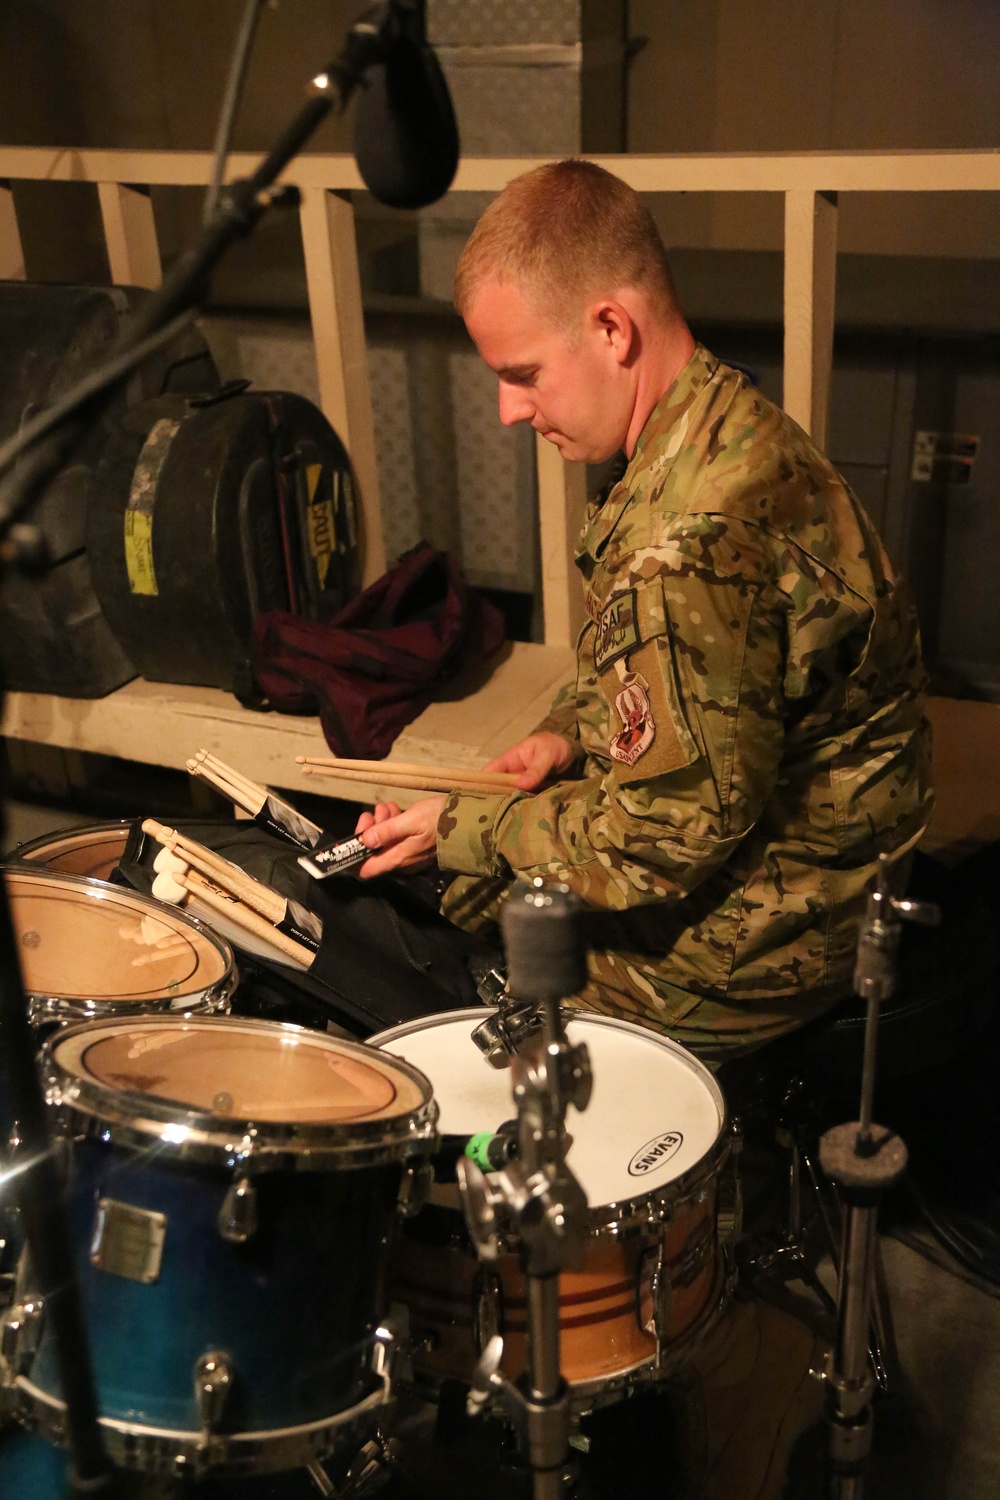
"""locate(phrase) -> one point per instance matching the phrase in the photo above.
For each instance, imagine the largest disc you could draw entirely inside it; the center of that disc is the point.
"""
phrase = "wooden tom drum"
(88, 949)
(93, 850)
(648, 1151)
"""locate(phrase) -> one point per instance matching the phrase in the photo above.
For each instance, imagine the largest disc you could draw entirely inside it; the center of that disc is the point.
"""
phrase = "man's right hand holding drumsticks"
(407, 840)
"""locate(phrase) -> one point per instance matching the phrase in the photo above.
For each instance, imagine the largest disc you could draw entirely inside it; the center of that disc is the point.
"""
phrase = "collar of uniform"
(602, 519)
(668, 411)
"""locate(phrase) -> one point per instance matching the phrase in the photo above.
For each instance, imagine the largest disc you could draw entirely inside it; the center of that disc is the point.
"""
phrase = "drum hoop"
(624, 1216)
(633, 1215)
(122, 1117)
(57, 1007)
(44, 1009)
(102, 832)
(159, 1449)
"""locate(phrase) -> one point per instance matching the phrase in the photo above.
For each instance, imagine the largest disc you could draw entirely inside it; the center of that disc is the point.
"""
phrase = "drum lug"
(661, 1298)
(487, 1307)
(213, 1383)
(20, 1330)
(730, 1195)
(237, 1220)
(387, 1349)
(414, 1188)
(490, 1384)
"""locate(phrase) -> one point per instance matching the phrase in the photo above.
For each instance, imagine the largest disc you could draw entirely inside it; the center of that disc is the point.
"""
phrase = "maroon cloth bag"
(374, 666)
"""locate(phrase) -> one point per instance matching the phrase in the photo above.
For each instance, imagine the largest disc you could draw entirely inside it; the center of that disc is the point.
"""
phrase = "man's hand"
(405, 840)
(408, 840)
(540, 758)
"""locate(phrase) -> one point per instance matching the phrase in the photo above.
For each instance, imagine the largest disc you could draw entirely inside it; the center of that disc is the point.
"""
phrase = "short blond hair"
(566, 232)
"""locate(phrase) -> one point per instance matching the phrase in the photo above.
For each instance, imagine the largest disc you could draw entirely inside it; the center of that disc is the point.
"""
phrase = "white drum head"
(654, 1113)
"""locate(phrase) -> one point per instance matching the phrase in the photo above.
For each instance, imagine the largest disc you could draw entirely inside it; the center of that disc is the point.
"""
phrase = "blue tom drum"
(233, 1191)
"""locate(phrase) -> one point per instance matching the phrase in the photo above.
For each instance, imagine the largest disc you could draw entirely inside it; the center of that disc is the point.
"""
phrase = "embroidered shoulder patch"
(638, 729)
(617, 629)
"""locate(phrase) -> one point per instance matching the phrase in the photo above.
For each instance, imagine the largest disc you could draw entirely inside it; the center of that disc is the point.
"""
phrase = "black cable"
(944, 1261)
(231, 103)
(974, 1258)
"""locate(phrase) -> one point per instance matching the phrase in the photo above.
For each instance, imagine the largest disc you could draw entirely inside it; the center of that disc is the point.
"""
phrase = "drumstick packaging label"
(331, 859)
(655, 1153)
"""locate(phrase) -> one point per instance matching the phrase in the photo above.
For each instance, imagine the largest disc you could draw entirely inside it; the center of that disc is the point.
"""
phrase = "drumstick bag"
(386, 954)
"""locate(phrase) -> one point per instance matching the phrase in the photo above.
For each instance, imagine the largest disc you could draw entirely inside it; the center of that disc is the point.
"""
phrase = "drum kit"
(280, 1234)
(267, 1221)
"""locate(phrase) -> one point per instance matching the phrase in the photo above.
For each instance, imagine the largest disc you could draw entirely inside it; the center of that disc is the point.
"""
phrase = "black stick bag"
(386, 954)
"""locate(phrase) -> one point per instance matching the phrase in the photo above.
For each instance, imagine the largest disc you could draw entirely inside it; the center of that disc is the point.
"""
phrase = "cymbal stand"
(536, 1197)
(863, 1160)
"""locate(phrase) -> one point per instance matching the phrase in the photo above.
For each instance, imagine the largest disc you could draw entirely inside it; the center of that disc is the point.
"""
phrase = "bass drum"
(648, 1152)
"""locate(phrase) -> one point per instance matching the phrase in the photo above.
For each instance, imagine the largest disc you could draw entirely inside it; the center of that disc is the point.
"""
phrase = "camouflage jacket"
(749, 729)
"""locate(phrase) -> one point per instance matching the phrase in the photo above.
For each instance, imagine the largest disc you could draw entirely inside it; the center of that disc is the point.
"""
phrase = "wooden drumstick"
(156, 955)
(242, 916)
(229, 876)
(236, 778)
(427, 781)
(250, 795)
(393, 772)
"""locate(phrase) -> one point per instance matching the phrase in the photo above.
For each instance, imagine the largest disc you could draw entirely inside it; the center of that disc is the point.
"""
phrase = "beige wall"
(151, 73)
(783, 75)
(719, 75)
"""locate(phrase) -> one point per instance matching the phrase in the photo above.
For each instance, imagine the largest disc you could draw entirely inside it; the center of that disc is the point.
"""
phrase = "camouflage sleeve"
(561, 717)
(653, 830)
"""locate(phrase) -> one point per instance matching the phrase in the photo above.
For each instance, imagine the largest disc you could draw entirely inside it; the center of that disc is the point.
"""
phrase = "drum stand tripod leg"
(863, 1160)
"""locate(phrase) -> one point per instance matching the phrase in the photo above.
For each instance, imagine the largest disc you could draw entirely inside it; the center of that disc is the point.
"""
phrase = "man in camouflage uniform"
(745, 735)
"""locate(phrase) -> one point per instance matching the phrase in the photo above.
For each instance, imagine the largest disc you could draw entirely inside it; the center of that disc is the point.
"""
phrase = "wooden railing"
(809, 182)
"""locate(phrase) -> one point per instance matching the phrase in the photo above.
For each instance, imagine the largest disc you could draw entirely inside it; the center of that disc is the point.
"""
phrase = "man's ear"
(612, 322)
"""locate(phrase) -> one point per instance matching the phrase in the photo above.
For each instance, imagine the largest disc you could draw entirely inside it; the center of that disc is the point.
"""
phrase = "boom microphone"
(405, 133)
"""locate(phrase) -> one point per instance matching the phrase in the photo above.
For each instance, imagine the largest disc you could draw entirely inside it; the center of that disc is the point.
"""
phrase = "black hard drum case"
(53, 635)
(210, 510)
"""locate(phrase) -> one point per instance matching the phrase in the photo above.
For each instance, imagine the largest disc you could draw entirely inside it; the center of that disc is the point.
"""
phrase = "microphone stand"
(536, 1196)
(43, 444)
(863, 1160)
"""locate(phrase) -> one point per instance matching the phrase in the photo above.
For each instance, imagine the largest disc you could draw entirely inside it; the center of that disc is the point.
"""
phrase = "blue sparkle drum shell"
(88, 949)
(167, 1117)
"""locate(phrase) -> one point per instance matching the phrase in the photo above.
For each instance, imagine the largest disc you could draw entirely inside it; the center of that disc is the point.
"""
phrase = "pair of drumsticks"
(186, 868)
(408, 775)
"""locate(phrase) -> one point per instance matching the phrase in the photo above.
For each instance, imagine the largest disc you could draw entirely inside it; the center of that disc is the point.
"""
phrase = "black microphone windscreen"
(405, 132)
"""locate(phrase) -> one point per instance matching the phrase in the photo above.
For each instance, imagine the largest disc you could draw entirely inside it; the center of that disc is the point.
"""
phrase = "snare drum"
(93, 850)
(232, 1193)
(88, 949)
(648, 1152)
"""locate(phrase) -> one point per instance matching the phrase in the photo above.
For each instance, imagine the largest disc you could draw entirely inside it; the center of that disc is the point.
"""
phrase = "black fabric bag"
(386, 956)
